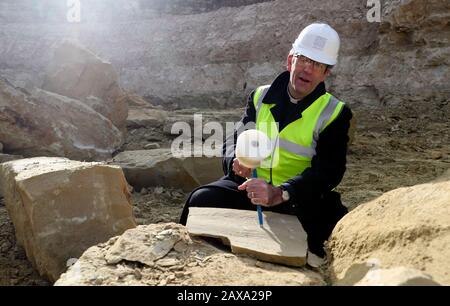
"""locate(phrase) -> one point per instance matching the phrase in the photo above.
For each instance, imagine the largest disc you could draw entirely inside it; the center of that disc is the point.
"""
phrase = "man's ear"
(327, 73)
(289, 62)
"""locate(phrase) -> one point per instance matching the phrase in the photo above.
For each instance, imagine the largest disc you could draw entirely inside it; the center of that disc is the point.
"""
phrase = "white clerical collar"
(292, 99)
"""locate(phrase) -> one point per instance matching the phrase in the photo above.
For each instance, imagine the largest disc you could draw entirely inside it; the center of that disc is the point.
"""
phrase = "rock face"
(183, 7)
(407, 58)
(164, 254)
(414, 233)
(77, 73)
(159, 167)
(61, 207)
(217, 57)
(48, 124)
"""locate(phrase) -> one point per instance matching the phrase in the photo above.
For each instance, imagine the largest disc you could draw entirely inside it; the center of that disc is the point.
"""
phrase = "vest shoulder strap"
(329, 113)
(258, 97)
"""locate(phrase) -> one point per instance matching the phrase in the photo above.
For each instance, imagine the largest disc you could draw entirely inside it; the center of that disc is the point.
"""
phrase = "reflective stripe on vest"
(259, 96)
(325, 117)
(296, 148)
(298, 140)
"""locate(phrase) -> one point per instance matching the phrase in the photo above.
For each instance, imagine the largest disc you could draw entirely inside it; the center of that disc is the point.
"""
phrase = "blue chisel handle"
(260, 216)
(258, 207)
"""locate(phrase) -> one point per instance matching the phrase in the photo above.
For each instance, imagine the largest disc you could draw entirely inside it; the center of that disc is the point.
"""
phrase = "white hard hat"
(319, 42)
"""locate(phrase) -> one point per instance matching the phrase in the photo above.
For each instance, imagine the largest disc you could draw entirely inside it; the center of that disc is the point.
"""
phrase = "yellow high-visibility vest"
(295, 146)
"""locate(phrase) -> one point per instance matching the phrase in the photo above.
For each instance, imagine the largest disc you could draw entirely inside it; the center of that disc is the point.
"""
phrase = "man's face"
(305, 75)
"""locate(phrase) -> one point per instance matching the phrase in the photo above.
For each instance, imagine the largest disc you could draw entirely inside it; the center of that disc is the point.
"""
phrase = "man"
(313, 135)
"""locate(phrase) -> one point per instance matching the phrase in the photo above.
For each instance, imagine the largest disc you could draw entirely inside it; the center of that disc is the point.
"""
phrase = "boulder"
(78, 73)
(41, 123)
(399, 276)
(164, 254)
(159, 167)
(407, 227)
(369, 273)
(61, 207)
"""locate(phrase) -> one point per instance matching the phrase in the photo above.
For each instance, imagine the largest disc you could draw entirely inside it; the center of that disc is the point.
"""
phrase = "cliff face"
(182, 7)
(208, 55)
(104, 10)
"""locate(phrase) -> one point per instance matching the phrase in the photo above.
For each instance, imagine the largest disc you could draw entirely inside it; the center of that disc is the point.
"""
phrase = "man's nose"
(308, 68)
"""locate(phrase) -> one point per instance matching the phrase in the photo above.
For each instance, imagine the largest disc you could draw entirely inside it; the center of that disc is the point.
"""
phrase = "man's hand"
(240, 169)
(261, 193)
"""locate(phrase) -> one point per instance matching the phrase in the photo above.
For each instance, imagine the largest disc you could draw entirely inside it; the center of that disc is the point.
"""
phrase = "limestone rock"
(8, 157)
(78, 73)
(357, 271)
(5, 158)
(152, 146)
(136, 101)
(146, 117)
(399, 276)
(138, 246)
(282, 238)
(47, 124)
(159, 167)
(407, 227)
(61, 207)
(133, 260)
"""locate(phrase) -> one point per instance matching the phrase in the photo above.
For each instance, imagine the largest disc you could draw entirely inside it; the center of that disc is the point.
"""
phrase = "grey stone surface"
(216, 58)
